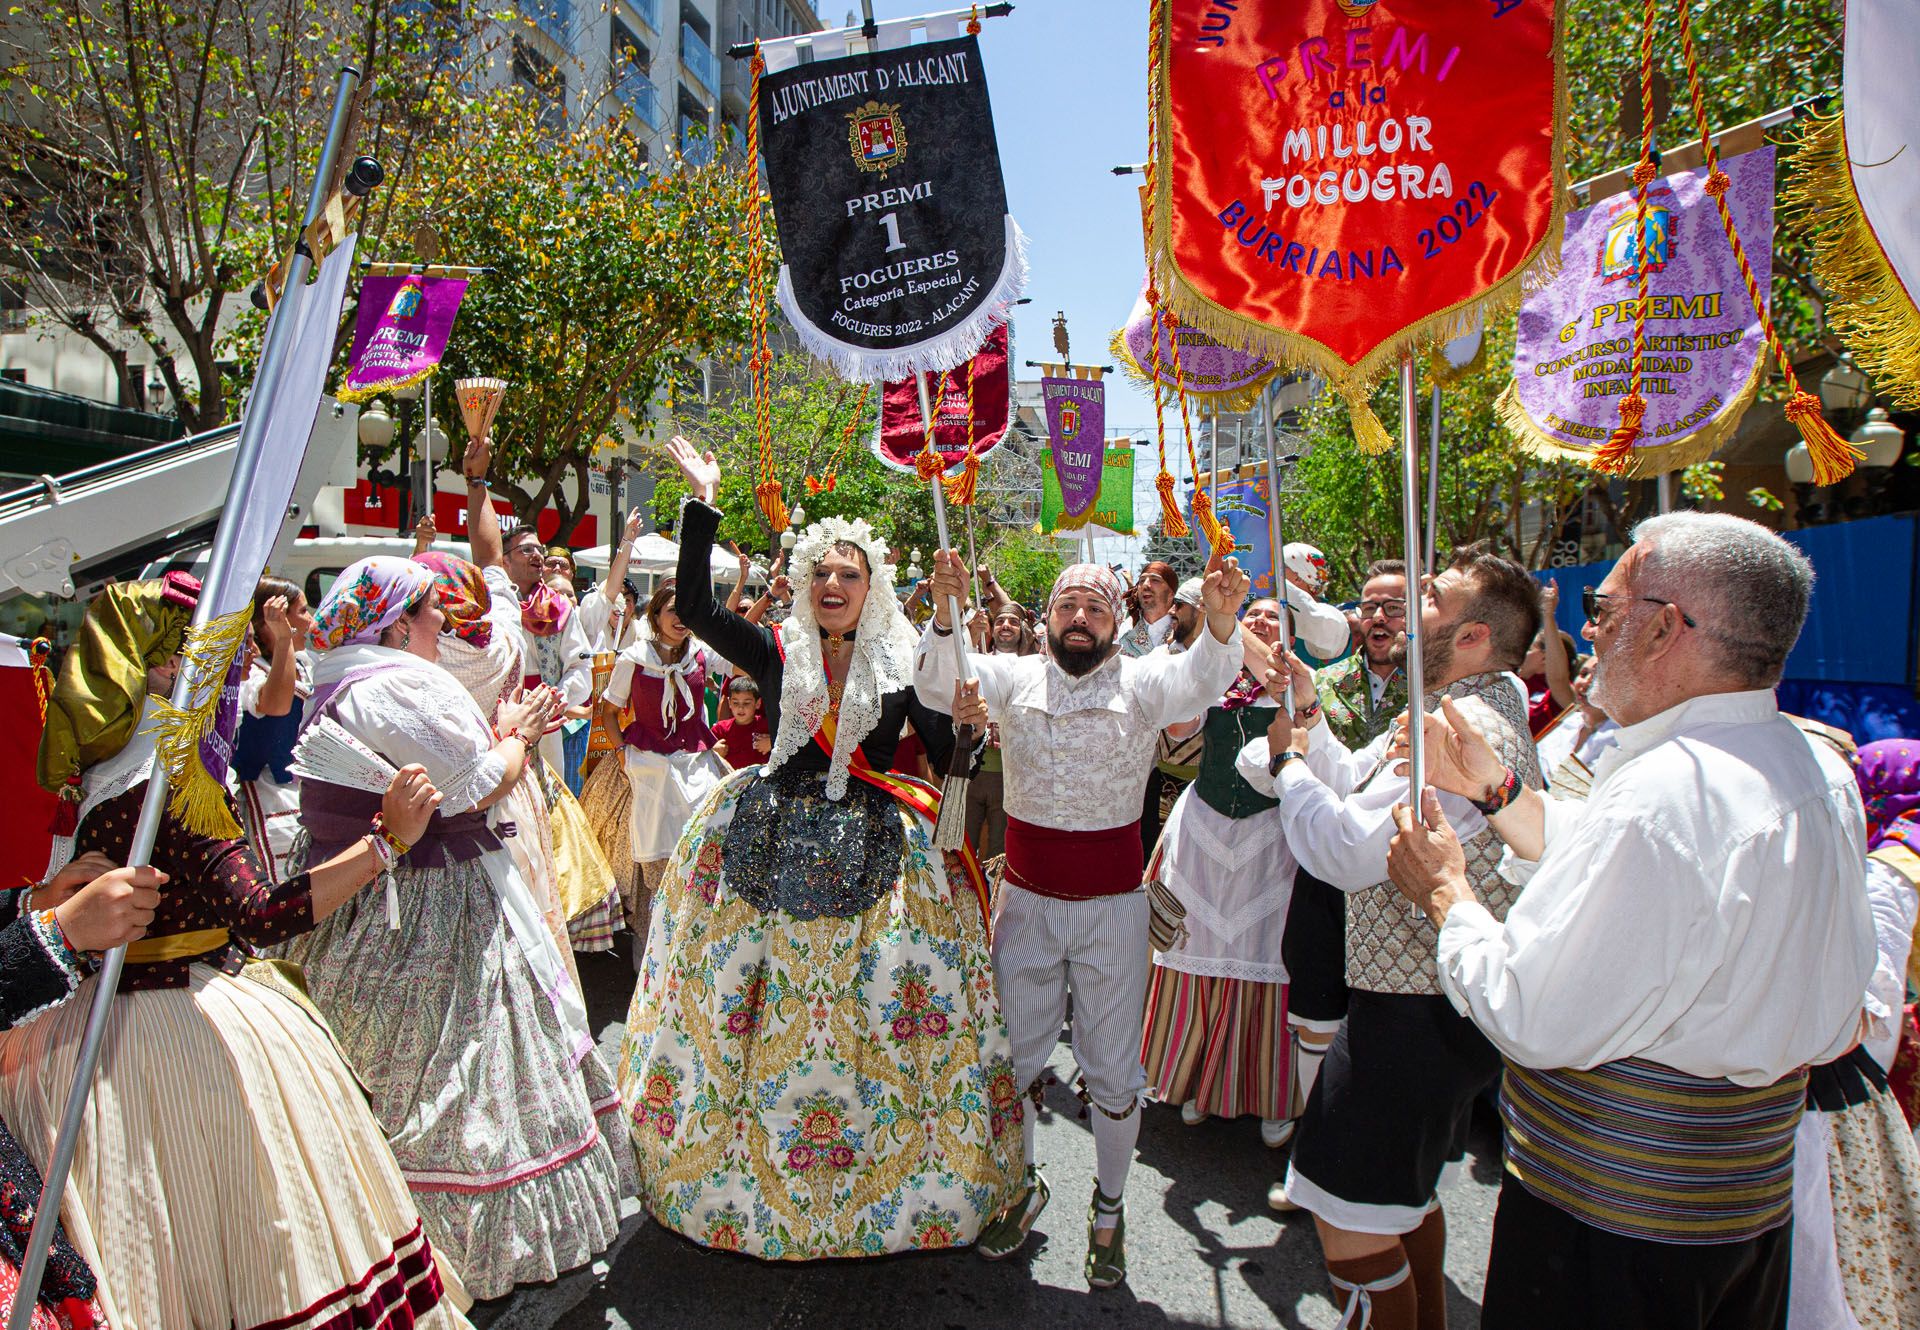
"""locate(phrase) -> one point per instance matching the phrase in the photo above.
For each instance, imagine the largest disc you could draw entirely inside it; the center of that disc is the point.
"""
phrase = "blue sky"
(1068, 80)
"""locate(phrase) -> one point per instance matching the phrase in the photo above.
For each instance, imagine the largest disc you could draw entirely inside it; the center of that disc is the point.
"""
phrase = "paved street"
(1203, 1248)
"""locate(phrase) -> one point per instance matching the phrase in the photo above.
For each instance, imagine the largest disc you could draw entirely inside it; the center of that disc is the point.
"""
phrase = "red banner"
(1339, 179)
(902, 433)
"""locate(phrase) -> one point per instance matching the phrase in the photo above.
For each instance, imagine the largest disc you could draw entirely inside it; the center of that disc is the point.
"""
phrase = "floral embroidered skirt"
(832, 1085)
(513, 1151)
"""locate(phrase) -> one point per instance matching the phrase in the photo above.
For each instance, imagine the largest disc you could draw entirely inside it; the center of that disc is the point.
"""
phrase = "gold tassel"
(1217, 536)
(961, 489)
(1615, 456)
(1368, 432)
(197, 799)
(927, 464)
(768, 493)
(1833, 457)
(1172, 524)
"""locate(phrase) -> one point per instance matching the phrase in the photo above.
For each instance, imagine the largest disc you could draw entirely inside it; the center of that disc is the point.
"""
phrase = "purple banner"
(1701, 366)
(400, 332)
(1213, 372)
(1077, 431)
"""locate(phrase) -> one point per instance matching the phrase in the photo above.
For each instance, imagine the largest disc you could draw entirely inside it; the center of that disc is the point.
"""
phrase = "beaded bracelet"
(1503, 794)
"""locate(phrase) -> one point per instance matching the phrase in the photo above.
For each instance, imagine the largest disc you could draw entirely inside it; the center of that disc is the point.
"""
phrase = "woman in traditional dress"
(1856, 1172)
(610, 614)
(45, 935)
(815, 1062)
(228, 1171)
(277, 682)
(668, 755)
(1576, 739)
(449, 992)
(1215, 1039)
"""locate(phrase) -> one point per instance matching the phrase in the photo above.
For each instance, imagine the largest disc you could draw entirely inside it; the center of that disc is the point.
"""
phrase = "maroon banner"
(902, 433)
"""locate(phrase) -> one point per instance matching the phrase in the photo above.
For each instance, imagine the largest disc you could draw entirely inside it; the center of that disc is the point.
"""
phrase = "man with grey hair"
(1690, 938)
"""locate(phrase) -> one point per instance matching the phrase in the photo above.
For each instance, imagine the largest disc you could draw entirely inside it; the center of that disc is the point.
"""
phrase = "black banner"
(899, 252)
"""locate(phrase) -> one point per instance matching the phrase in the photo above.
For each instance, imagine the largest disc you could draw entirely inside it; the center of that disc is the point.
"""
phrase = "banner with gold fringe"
(194, 741)
(1705, 357)
(1853, 180)
(1338, 183)
(400, 332)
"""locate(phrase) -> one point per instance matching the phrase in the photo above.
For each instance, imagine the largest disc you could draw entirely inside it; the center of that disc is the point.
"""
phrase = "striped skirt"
(1220, 1043)
(228, 1171)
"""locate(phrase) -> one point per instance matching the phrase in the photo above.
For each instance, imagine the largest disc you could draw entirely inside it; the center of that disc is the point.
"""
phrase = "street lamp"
(1880, 437)
(375, 427)
(1799, 465)
(788, 540)
(1844, 388)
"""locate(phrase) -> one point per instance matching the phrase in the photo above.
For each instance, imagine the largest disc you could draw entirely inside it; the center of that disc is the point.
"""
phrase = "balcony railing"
(636, 91)
(697, 56)
(648, 10)
(553, 17)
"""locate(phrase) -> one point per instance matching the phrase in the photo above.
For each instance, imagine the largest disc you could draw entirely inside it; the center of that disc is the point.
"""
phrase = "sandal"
(1106, 1263)
(1007, 1231)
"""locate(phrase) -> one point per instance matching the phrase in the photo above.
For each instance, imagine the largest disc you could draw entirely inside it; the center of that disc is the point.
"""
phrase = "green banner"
(1112, 510)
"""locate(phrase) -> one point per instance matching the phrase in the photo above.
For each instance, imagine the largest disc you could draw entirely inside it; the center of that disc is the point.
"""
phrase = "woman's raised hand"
(701, 470)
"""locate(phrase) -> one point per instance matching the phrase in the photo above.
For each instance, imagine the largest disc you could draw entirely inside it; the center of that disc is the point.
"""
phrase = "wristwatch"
(1280, 759)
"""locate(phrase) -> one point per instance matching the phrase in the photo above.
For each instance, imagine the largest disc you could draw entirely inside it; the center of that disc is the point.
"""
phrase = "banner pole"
(280, 328)
(1665, 489)
(1276, 538)
(973, 561)
(1410, 539)
(1433, 478)
(950, 831)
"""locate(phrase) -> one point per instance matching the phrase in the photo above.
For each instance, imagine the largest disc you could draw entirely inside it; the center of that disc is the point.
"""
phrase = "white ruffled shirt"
(1076, 752)
(1704, 908)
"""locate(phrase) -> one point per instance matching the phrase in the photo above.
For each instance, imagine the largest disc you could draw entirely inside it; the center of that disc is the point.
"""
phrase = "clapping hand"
(1457, 757)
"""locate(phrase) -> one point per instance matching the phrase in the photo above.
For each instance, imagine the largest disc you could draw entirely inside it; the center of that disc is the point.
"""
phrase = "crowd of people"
(1662, 927)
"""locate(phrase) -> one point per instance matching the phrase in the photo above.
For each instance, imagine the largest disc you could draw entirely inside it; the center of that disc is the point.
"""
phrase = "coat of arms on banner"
(893, 261)
(1573, 341)
(877, 137)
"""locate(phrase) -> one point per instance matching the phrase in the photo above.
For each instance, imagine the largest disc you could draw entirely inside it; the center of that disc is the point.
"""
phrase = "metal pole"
(245, 462)
(1433, 478)
(1276, 539)
(940, 524)
(973, 562)
(1410, 532)
(1665, 486)
(426, 505)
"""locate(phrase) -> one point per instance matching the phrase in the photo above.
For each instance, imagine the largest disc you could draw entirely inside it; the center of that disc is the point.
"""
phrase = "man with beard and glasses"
(1077, 735)
(1692, 935)
(1395, 1093)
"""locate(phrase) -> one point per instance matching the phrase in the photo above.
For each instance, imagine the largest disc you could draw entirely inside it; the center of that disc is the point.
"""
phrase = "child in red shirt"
(742, 737)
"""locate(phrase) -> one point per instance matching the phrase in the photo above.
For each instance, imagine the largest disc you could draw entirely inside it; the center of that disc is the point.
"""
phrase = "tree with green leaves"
(820, 426)
(155, 157)
(603, 280)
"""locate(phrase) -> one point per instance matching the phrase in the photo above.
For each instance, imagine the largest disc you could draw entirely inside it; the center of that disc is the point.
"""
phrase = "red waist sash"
(1074, 865)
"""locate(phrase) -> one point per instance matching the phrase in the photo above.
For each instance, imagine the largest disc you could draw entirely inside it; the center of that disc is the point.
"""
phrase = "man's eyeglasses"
(1392, 609)
(1591, 597)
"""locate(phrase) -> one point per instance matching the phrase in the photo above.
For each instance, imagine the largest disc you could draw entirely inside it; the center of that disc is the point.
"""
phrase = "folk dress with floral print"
(836, 1085)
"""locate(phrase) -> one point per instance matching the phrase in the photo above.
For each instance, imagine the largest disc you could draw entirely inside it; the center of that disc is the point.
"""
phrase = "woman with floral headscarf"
(447, 991)
(815, 1063)
(228, 1171)
(1856, 1172)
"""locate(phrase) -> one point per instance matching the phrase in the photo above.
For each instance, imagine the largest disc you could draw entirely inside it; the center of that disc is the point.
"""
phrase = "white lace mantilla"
(883, 647)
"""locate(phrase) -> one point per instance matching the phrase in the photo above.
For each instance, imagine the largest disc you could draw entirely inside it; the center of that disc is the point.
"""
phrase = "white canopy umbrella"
(656, 556)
